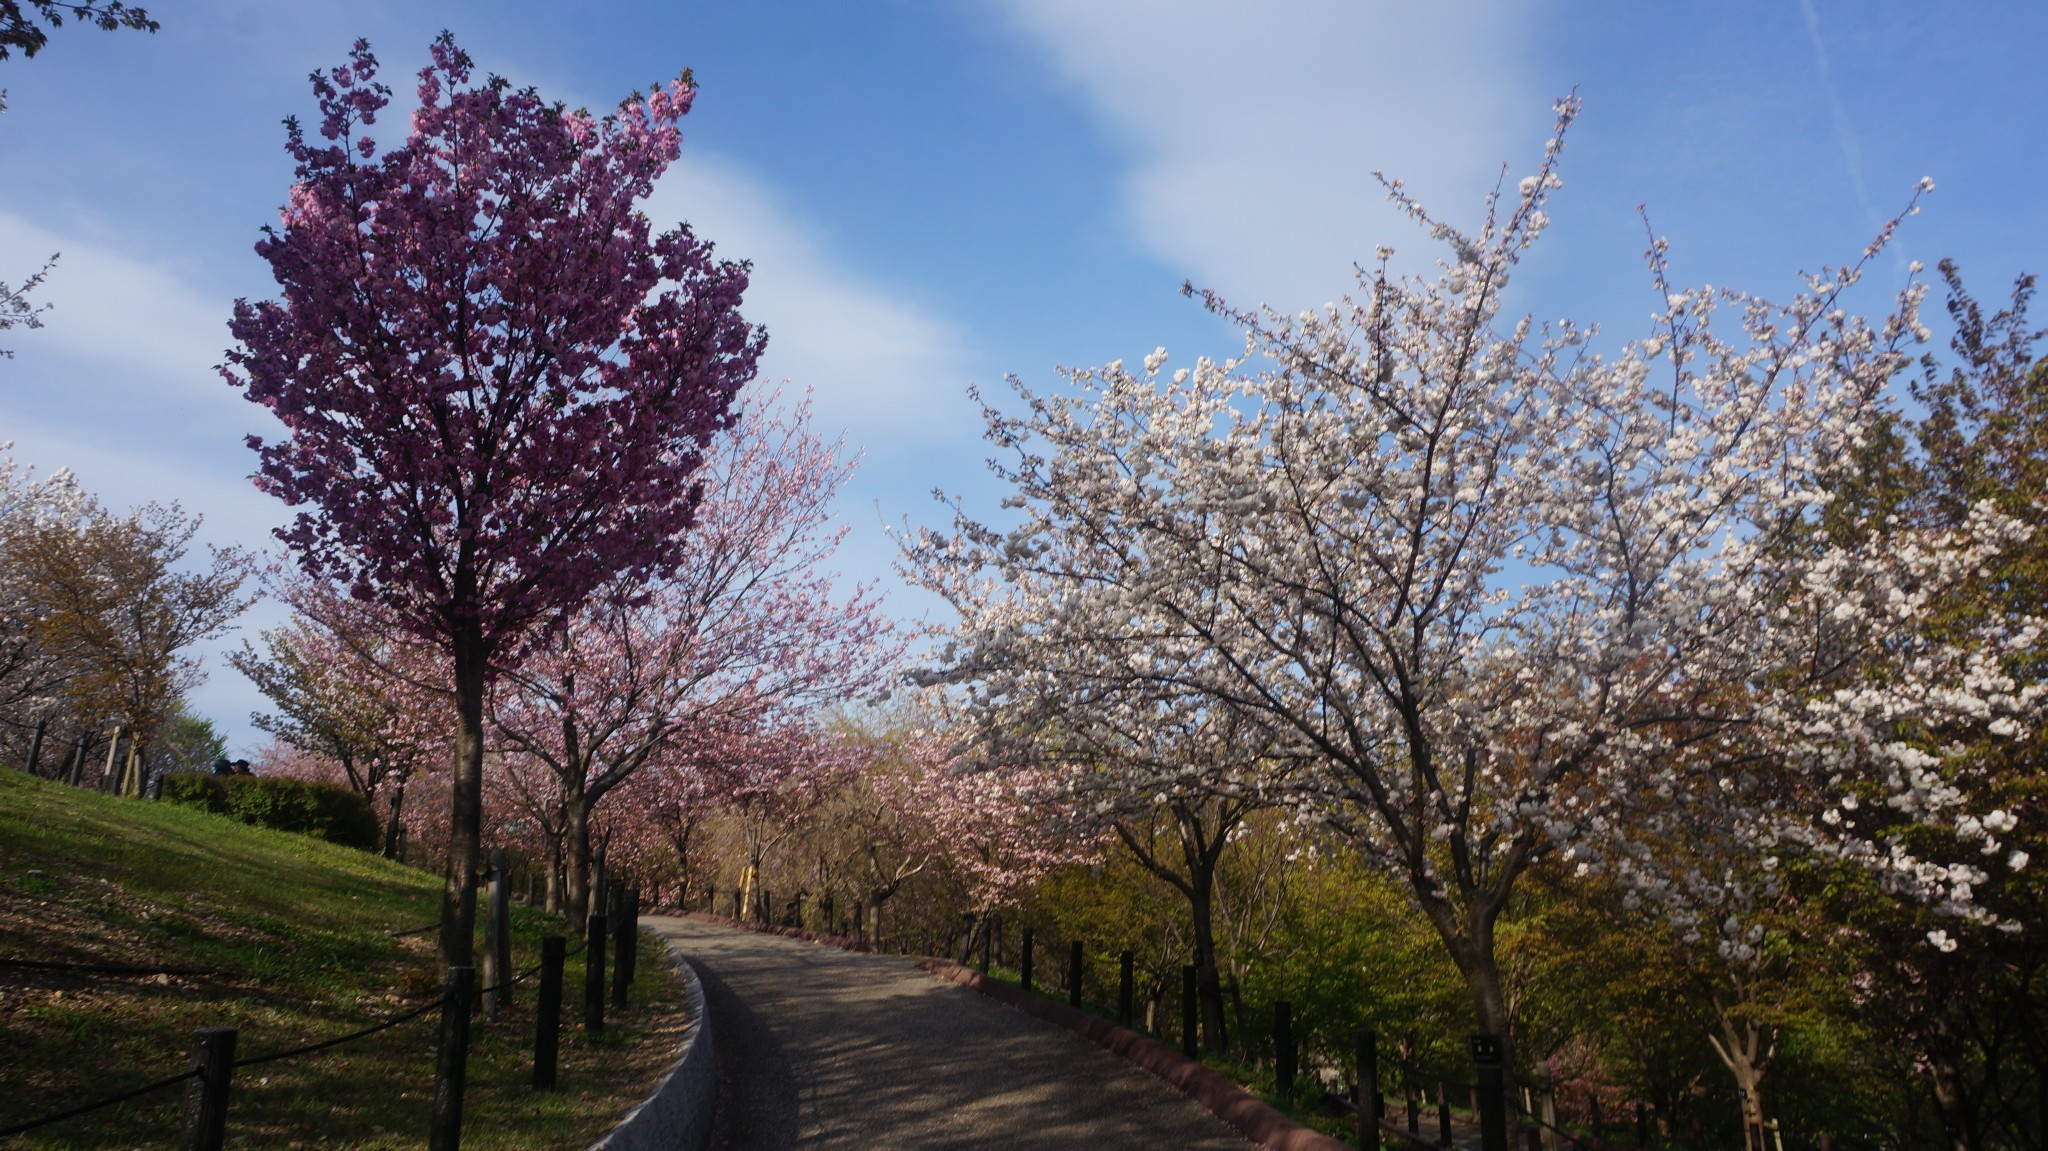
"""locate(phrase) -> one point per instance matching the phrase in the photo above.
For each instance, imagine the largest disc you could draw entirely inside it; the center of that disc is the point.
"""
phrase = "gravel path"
(823, 1048)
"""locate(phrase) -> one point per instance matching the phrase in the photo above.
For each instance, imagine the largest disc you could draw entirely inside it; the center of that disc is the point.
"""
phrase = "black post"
(1643, 1128)
(767, 908)
(830, 922)
(35, 744)
(1024, 963)
(988, 935)
(593, 978)
(1443, 1115)
(625, 940)
(1367, 1061)
(1487, 1060)
(1076, 956)
(739, 906)
(206, 1101)
(860, 931)
(1283, 1048)
(1124, 1014)
(1414, 1109)
(1190, 1039)
(547, 1020)
(451, 1068)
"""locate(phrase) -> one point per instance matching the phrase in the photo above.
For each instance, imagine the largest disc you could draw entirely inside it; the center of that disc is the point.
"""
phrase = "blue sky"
(937, 193)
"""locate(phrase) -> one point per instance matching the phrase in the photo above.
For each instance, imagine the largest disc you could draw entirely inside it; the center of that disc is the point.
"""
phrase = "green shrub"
(335, 814)
(195, 789)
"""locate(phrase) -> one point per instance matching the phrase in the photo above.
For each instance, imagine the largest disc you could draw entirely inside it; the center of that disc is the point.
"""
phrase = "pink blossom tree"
(348, 686)
(496, 380)
(747, 632)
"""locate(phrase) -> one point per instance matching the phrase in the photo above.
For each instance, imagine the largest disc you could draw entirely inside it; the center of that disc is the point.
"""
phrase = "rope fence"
(214, 1064)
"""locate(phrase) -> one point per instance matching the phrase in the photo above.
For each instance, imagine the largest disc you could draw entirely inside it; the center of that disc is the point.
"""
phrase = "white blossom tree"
(1487, 581)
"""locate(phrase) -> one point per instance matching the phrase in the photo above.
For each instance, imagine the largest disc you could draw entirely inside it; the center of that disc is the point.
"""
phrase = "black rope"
(124, 1097)
(324, 1044)
(110, 968)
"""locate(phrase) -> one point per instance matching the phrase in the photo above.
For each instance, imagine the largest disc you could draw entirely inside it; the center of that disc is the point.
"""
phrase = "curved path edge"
(1245, 1113)
(676, 1115)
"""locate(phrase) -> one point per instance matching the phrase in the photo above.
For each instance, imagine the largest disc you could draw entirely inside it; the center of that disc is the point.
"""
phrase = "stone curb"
(676, 1116)
(1245, 1114)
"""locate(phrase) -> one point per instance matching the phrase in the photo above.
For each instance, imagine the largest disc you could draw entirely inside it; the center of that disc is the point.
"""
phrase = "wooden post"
(860, 930)
(988, 935)
(547, 1030)
(35, 744)
(827, 909)
(1488, 1055)
(451, 1064)
(593, 978)
(626, 937)
(1190, 1036)
(1367, 1060)
(1076, 956)
(1124, 988)
(1283, 1049)
(206, 1101)
(1024, 962)
(109, 781)
(1443, 1115)
(767, 908)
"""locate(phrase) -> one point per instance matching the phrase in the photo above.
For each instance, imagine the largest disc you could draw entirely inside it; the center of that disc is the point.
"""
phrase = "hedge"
(333, 813)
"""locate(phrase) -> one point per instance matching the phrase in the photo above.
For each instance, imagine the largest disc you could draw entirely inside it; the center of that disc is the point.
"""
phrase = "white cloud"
(870, 358)
(1254, 129)
(115, 309)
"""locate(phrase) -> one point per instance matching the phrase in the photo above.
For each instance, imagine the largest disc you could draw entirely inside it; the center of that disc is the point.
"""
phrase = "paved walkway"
(823, 1048)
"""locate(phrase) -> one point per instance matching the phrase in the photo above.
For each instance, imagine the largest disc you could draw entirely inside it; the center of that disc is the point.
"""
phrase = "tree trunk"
(1745, 1047)
(576, 851)
(1958, 1118)
(1208, 983)
(392, 826)
(555, 883)
(1467, 935)
(465, 809)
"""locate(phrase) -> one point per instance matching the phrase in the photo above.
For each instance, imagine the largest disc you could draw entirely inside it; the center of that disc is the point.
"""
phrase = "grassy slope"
(300, 933)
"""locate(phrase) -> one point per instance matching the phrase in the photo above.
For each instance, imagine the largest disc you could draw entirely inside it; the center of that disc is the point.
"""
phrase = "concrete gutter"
(677, 1115)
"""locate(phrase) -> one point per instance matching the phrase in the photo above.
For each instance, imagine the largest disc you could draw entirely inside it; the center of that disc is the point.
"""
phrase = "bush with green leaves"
(333, 813)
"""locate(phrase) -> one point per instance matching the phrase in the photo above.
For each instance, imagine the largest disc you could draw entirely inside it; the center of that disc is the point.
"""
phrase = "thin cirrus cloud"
(1253, 131)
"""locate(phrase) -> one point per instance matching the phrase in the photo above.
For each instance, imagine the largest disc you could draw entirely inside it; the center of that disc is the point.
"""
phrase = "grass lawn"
(300, 934)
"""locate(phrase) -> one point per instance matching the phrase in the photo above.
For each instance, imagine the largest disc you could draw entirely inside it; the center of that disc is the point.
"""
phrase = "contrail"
(1843, 137)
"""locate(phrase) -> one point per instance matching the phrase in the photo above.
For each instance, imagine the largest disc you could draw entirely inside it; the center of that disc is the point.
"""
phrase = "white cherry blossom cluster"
(1492, 593)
